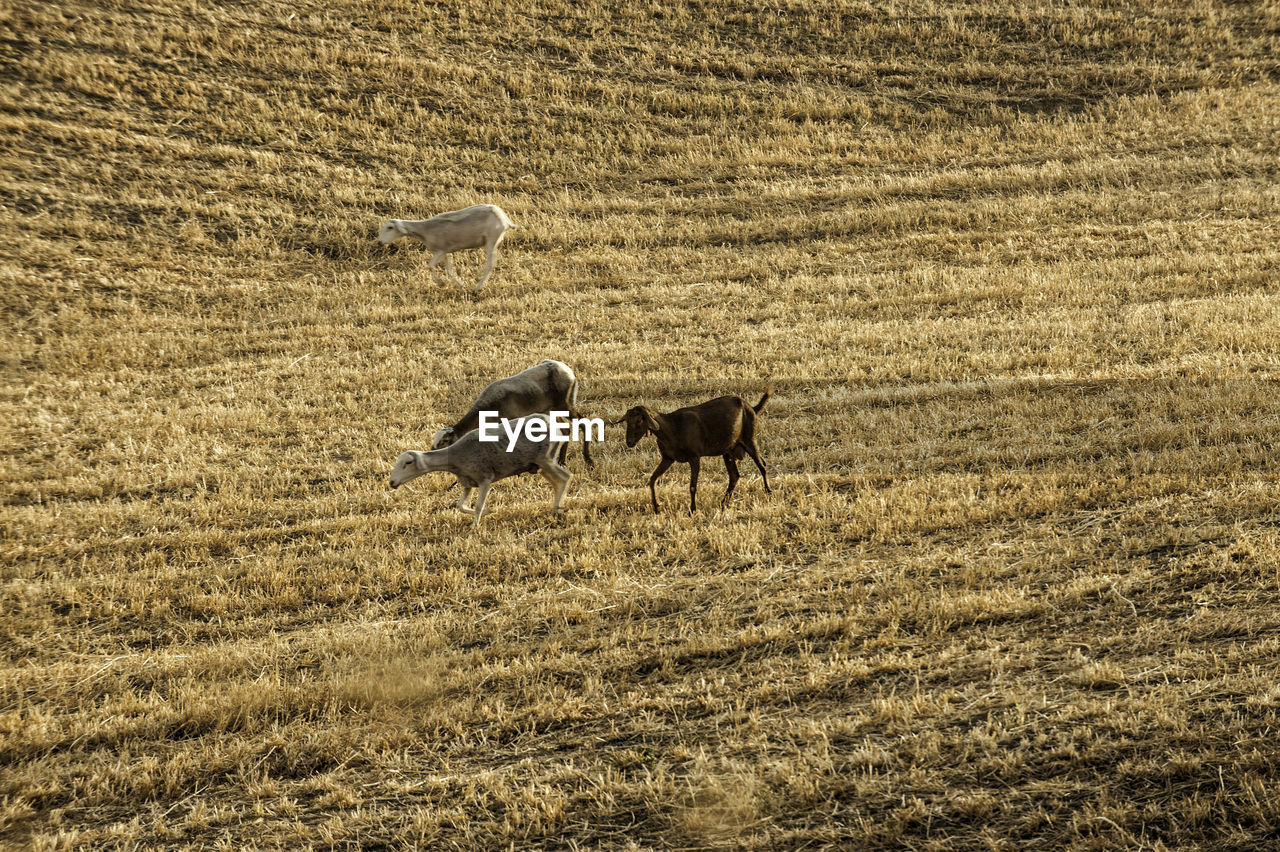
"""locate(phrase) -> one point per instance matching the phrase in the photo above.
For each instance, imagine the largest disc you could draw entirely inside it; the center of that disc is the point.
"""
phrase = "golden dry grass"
(1011, 271)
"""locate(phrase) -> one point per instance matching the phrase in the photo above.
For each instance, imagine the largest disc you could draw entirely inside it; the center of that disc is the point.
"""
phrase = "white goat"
(478, 226)
(544, 387)
(479, 464)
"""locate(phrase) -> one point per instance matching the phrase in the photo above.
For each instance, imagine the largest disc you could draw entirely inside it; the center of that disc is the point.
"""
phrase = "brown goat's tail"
(760, 405)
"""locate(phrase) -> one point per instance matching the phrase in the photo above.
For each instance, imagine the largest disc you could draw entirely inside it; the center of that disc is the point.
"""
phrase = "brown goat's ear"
(650, 422)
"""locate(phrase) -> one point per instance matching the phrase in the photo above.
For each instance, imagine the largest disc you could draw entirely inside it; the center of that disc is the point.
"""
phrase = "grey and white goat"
(478, 464)
(546, 386)
(479, 226)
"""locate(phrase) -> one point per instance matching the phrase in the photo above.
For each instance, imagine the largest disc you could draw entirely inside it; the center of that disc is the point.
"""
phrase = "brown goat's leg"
(693, 485)
(755, 457)
(731, 466)
(662, 468)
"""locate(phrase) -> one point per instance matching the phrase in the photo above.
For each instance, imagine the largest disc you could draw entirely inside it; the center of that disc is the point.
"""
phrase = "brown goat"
(725, 426)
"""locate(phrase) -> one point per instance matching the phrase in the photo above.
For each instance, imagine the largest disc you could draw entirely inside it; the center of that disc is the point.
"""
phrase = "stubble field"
(1011, 272)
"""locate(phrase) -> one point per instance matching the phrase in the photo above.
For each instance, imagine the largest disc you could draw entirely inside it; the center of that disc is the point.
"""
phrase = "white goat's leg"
(443, 257)
(448, 267)
(490, 258)
(559, 479)
(435, 261)
(462, 501)
(481, 494)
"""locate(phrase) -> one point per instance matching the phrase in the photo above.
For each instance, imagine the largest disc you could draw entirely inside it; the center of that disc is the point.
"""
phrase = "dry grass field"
(1012, 272)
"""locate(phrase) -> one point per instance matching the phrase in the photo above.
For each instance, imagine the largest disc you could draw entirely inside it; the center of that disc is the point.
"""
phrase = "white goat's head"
(391, 230)
(410, 465)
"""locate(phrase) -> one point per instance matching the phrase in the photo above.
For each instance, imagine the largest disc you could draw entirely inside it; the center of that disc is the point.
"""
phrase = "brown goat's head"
(639, 423)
